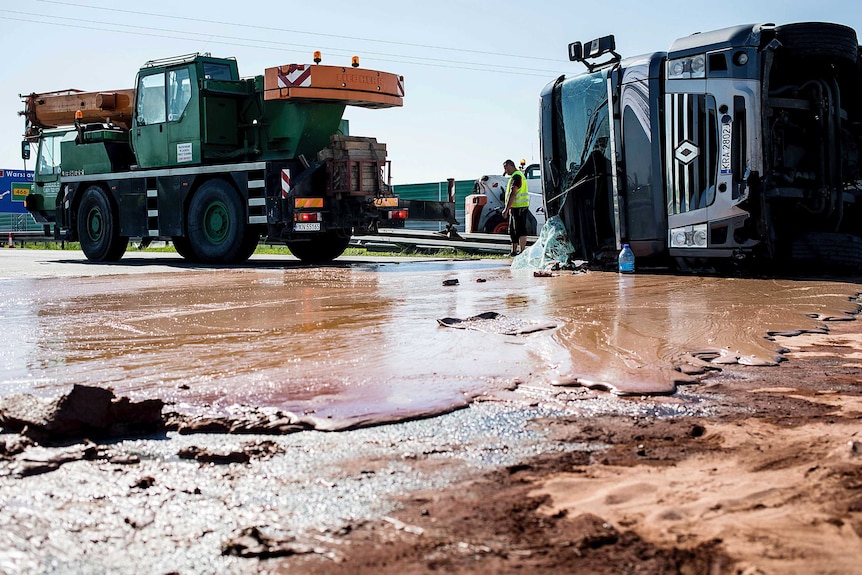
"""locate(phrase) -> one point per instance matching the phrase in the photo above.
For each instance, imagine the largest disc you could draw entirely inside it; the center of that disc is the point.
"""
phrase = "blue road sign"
(14, 187)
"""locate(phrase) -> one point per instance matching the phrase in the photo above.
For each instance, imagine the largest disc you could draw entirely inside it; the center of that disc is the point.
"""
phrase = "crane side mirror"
(25, 150)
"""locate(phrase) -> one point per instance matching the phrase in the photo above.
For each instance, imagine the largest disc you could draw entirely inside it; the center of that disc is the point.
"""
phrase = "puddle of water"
(360, 343)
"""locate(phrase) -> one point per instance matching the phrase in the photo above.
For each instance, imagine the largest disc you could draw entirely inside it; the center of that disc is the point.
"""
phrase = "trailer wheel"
(827, 252)
(98, 228)
(216, 223)
(496, 225)
(320, 248)
(819, 39)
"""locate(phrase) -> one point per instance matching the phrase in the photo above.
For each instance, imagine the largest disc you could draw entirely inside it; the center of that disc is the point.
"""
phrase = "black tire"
(827, 252)
(249, 244)
(320, 248)
(819, 39)
(496, 224)
(184, 248)
(99, 228)
(216, 223)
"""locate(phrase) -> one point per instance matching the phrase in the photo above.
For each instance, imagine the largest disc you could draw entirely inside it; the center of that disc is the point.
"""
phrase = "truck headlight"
(688, 67)
(698, 66)
(700, 236)
(689, 237)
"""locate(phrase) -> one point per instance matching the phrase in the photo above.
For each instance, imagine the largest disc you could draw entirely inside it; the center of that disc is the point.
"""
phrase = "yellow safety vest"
(522, 198)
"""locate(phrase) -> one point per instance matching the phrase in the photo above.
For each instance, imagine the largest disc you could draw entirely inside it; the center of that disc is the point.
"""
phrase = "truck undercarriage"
(812, 129)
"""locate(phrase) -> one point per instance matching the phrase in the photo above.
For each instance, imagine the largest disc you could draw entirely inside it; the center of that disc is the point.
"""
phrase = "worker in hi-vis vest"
(517, 205)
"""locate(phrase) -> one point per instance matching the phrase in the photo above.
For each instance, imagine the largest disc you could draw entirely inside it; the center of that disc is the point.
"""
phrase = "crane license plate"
(306, 226)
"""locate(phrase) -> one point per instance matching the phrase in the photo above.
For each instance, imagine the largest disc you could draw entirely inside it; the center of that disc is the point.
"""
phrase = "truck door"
(149, 133)
(692, 127)
(46, 178)
(183, 126)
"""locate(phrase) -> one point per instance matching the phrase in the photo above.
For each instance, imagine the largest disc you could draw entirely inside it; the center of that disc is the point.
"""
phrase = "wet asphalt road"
(166, 514)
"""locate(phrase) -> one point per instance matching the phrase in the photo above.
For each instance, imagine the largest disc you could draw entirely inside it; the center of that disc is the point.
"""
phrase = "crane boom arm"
(54, 109)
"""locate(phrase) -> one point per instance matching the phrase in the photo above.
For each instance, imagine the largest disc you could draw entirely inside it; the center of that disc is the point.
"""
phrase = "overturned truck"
(740, 145)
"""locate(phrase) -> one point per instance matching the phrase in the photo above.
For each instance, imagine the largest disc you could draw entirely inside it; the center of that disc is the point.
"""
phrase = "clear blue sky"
(473, 70)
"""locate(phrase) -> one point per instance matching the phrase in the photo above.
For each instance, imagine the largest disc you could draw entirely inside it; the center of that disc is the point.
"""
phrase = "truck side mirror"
(600, 47)
(576, 52)
(25, 150)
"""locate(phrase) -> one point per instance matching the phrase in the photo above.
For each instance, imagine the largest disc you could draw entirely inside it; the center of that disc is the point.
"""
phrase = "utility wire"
(256, 27)
(65, 19)
(245, 44)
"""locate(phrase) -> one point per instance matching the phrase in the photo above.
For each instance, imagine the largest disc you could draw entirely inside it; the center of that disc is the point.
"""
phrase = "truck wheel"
(819, 39)
(832, 252)
(249, 244)
(98, 228)
(183, 247)
(496, 225)
(216, 223)
(320, 248)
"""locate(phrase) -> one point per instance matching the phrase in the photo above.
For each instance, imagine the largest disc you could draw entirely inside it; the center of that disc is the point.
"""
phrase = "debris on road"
(257, 450)
(84, 411)
(252, 542)
(552, 251)
(493, 322)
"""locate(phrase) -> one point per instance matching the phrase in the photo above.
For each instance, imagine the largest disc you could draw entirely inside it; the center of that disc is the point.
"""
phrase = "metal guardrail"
(384, 240)
(426, 240)
(19, 239)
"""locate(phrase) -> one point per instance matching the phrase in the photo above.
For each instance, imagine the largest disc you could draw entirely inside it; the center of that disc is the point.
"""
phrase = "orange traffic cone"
(10, 243)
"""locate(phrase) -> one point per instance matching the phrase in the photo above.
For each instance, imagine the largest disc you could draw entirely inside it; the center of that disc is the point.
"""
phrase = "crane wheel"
(320, 248)
(217, 224)
(99, 228)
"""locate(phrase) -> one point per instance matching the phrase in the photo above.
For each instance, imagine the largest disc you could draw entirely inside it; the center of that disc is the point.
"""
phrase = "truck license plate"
(306, 226)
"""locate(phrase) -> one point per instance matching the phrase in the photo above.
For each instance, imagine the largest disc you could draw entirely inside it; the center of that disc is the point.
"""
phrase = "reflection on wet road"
(361, 341)
(642, 333)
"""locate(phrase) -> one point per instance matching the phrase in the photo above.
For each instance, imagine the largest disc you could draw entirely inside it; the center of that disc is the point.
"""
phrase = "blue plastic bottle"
(626, 260)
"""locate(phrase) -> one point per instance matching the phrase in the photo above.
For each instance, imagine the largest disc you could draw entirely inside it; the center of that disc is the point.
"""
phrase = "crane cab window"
(151, 99)
(179, 93)
(49, 155)
(216, 71)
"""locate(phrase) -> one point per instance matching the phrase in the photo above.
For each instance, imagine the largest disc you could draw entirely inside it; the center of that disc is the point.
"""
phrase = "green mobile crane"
(212, 162)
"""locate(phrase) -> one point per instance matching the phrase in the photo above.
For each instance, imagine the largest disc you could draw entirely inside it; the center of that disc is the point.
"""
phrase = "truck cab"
(41, 201)
(186, 110)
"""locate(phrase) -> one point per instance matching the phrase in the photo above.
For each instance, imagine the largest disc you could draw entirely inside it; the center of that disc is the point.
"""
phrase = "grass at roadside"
(265, 249)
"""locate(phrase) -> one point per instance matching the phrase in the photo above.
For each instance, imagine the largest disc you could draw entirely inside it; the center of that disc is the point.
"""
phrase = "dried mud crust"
(771, 484)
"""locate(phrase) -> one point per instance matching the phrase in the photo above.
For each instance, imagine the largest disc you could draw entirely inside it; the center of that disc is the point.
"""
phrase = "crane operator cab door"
(166, 131)
(184, 127)
(149, 132)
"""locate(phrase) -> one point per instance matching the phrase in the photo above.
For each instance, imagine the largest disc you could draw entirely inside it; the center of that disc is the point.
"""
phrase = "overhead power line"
(269, 44)
(273, 29)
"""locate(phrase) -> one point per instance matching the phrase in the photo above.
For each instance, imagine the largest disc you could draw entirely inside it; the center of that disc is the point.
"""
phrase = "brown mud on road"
(754, 466)
(766, 480)
(359, 344)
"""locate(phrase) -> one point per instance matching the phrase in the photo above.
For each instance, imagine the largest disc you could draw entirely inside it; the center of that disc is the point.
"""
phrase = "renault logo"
(686, 152)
